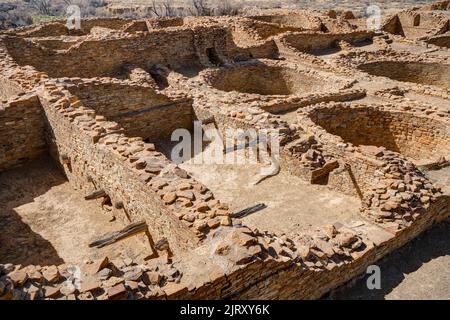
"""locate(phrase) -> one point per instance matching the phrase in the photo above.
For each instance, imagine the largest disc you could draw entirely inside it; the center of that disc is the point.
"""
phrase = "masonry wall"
(442, 41)
(59, 28)
(93, 167)
(139, 110)
(175, 48)
(93, 57)
(8, 89)
(293, 284)
(299, 21)
(274, 279)
(416, 72)
(415, 24)
(413, 136)
(318, 41)
(21, 131)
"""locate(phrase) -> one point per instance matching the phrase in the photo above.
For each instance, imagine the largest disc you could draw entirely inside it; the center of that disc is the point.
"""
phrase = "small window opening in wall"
(213, 57)
(416, 22)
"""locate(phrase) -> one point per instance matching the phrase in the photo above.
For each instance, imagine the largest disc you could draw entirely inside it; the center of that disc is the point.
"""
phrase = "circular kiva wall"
(417, 137)
(265, 80)
(423, 73)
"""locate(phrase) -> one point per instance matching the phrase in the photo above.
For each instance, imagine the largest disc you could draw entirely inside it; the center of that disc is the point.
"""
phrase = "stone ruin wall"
(93, 167)
(417, 72)
(275, 277)
(408, 134)
(8, 89)
(21, 131)
(97, 153)
(177, 48)
(416, 24)
(59, 28)
(307, 42)
(129, 105)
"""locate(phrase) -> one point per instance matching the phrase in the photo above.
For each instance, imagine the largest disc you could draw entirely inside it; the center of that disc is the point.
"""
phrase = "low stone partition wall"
(307, 41)
(295, 282)
(417, 72)
(394, 192)
(298, 20)
(21, 131)
(441, 41)
(314, 98)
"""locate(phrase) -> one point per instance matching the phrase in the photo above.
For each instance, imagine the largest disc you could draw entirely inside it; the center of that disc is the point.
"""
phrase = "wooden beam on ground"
(249, 210)
(95, 195)
(128, 231)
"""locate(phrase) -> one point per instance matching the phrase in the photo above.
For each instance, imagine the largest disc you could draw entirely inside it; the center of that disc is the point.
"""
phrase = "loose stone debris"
(363, 116)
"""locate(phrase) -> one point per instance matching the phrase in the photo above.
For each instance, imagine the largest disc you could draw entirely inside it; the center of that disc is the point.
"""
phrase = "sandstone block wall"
(8, 89)
(318, 41)
(414, 136)
(414, 24)
(280, 278)
(139, 110)
(59, 28)
(416, 72)
(93, 167)
(21, 131)
(442, 41)
(176, 48)
(88, 130)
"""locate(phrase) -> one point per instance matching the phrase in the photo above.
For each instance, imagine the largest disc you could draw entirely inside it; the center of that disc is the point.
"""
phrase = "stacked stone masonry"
(104, 100)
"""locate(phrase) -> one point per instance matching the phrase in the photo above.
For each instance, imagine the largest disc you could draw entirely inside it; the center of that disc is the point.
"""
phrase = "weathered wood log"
(95, 195)
(128, 231)
(249, 210)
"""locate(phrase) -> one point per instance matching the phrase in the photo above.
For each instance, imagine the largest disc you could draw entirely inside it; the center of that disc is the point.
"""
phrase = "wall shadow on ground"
(409, 259)
(19, 244)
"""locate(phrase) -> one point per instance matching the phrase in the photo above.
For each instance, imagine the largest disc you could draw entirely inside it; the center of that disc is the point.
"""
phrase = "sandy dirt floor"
(44, 221)
(292, 204)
